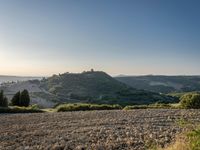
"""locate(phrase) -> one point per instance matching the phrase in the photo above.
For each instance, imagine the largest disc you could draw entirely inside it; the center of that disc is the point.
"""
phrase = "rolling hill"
(98, 87)
(87, 87)
(162, 84)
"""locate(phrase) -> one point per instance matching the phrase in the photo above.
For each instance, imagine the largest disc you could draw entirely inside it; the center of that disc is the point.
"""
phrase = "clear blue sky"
(43, 37)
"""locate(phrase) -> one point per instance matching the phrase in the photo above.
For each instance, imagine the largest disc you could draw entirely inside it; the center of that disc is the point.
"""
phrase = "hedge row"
(17, 109)
(84, 107)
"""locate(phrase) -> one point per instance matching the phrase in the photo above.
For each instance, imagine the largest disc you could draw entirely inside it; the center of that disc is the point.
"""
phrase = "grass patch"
(151, 106)
(150, 145)
(194, 139)
(187, 141)
(49, 110)
(16, 109)
(184, 123)
(85, 107)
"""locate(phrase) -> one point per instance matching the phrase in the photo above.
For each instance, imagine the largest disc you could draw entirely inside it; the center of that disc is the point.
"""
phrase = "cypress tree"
(3, 100)
(25, 98)
(1, 97)
(16, 99)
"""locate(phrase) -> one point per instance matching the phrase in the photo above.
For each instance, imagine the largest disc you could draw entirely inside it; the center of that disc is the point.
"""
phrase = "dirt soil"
(92, 130)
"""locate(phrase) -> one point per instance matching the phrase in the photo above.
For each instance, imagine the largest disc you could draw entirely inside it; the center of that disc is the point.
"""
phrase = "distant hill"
(163, 84)
(4, 78)
(87, 87)
(98, 87)
(38, 94)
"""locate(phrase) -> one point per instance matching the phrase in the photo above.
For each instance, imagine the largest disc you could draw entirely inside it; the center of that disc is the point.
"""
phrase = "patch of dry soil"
(92, 129)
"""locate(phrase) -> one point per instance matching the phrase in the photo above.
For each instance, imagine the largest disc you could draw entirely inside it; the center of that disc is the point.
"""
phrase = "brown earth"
(101, 130)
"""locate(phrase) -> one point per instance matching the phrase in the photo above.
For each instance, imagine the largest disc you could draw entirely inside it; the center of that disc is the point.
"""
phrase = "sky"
(132, 37)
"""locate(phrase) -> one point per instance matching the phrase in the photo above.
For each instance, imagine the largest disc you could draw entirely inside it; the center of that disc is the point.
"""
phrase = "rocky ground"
(101, 130)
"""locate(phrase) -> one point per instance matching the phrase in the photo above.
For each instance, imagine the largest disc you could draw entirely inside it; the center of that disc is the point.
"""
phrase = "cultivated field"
(135, 129)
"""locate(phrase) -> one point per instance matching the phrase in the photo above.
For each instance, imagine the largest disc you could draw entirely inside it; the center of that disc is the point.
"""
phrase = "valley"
(162, 83)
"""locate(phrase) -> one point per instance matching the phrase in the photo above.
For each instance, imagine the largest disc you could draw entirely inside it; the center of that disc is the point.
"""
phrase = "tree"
(3, 100)
(25, 98)
(21, 99)
(190, 101)
(16, 99)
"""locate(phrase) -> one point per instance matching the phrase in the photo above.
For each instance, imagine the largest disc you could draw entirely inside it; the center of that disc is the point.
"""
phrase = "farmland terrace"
(119, 129)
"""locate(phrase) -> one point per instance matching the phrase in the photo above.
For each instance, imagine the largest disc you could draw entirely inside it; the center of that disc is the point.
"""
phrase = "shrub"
(104, 107)
(190, 101)
(34, 107)
(84, 107)
(3, 100)
(160, 105)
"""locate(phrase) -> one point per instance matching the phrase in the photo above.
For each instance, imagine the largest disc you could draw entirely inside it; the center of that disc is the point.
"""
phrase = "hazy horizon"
(139, 37)
(113, 75)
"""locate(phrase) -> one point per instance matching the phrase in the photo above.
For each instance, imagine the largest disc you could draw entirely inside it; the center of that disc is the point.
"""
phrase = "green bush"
(190, 101)
(3, 100)
(85, 107)
(160, 105)
(104, 107)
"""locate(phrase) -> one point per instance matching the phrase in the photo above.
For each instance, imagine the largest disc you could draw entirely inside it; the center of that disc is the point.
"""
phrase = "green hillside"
(163, 84)
(98, 87)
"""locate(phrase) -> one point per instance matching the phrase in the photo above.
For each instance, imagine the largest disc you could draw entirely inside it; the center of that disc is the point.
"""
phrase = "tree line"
(19, 99)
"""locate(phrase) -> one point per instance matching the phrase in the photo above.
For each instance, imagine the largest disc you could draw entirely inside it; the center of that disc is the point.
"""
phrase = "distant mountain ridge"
(6, 78)
(162, 83)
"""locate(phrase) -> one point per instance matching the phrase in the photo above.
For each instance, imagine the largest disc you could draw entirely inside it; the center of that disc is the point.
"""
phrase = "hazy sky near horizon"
(43, 37)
